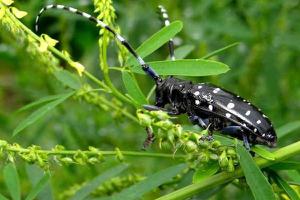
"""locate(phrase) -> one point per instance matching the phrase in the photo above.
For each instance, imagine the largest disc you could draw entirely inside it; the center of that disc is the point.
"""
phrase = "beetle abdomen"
(216, 101)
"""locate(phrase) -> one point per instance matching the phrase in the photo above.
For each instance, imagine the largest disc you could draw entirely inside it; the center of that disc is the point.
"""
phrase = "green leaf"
(156, 40)
(260, 187)
(286, 165)
(205, 171)
(3, 197)
(68, 79)
(133, 88)
(40, 101)
(83, 192)
(287, 128)
(12, 182)
(220, 50)
(263, 153)
(294, 175)
(151, 182)
(39, 113)
(286, 187)
(186, 67)
(183, 51)
(38, 187)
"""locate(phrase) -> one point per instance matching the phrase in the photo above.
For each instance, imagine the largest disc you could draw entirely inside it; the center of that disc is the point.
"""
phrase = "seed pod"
(230, 167)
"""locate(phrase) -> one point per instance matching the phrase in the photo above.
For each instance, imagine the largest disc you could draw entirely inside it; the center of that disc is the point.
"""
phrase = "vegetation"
(71, 119)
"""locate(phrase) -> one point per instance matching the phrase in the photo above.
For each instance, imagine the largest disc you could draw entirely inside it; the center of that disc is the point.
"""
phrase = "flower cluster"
(108, 188)
(198, 149)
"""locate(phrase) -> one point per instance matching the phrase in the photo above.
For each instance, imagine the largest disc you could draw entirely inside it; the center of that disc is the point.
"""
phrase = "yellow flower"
(18, 13)
(79, 67)
(7, 2)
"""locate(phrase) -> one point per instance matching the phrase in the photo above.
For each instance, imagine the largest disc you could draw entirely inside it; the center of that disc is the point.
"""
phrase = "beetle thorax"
(174, 92)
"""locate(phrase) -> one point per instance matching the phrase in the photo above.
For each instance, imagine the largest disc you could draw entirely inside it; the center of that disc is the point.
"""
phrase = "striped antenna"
(165, 18)
(148, 70)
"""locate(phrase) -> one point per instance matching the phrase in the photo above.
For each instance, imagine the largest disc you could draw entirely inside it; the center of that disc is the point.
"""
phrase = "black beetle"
(207, 105)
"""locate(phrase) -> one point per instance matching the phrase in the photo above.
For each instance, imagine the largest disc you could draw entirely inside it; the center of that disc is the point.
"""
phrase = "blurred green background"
(265, 69)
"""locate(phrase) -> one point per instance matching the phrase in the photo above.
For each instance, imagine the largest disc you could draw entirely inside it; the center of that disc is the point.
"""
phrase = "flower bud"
(230, 167)
(223, 160)
(145, 120)
(191, 146)
(215, 144)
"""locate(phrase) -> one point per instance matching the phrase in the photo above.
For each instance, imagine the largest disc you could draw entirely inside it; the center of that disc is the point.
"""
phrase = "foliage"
(82, 123)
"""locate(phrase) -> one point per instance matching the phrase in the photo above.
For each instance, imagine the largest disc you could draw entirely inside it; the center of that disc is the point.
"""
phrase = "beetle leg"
(236, 131)
(203, 123)
(149, 139)
(198, 120)
(246, 142)
(173, 111)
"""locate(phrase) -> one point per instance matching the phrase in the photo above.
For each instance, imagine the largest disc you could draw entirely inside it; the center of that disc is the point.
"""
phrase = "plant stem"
(91, 153)
(52, 49)
(225, 177)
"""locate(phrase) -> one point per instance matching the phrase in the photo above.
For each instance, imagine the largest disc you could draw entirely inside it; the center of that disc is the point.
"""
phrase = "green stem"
(52, 49)
(225, 177)
(219, 50)
(105, 70)
(67, 59)
(91, 153)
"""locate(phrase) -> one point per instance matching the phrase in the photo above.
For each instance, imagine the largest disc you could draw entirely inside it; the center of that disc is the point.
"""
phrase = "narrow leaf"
(38, 187)
(156, 40)
(260, 187)
(133, 88)
(287, 128)
(151, 182)
(220, 50)
(186, 67)
(12, 182)
(40, 101)
(286, 187)
(205, 171)
(263, 153)
(39, 113)
(294, 175)
(183, 51)
(2, 197)
(286, 165)
(92, 185)
(68, 79)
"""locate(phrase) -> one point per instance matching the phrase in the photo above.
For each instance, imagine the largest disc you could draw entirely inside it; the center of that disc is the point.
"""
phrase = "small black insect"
(206, 105)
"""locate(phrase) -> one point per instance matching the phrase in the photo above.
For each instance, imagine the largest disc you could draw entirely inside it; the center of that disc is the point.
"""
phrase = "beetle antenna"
(148, 70)
(165, 18)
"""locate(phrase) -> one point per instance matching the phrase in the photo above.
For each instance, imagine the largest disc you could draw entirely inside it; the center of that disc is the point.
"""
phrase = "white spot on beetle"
(180, 85)
(196, 93)
(249, 103)
(238, 96)
(263, 135)
(230, 105)
(227, 115)
(258, 121)
(197, 102)
(216, 90)
(210, 107)
(264, 116)
(244, 125)
(200, 86)
(255, 130)
(244, 100)
(248, 113)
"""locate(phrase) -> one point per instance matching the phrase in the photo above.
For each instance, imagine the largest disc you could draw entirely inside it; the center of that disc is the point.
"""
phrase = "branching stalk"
(225, 177)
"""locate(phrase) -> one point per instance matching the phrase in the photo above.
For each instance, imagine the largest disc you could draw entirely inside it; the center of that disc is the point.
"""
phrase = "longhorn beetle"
(206, 105)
